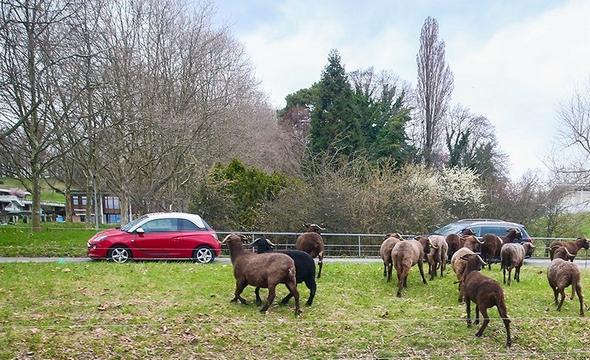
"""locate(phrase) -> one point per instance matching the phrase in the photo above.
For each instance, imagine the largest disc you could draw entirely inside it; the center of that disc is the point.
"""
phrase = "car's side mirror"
(139, 230)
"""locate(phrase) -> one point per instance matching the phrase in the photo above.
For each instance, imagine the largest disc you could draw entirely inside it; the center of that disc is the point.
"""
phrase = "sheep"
(490, 246)
(261, 270)
(563, 253)
(485, 292)
(512, 257)
(304, 268)
(572, 246)
(459, 266)
(455, 242)
(312, 243)
(385, 253)
(406, 254)
(437, 255)
(471, 243)
(511, 235)
(561, 274)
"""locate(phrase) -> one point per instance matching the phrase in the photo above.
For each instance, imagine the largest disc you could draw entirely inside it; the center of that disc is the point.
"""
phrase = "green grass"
(182, 310)
(47, 193)
(55, 239)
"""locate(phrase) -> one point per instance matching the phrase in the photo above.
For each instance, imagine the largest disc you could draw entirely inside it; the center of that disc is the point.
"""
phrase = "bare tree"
(32, 37)
(434, 89)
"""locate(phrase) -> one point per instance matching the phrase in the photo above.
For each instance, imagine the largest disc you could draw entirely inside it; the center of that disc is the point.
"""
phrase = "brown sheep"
(311, 242)
(490, 246)
(455, 242)
(261, 271)
(485, 292)
(512, 257)
(385, 253)
(572, 246)
(563, 253)
(561, 274)
(471, 243)
(406, 254)
(459, 266)
(437, 255)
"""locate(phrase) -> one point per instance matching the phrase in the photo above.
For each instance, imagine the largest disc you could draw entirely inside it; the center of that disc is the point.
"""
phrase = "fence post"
(359, 237)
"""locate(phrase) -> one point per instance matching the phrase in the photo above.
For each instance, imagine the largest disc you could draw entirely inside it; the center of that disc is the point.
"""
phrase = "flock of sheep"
(467, 254)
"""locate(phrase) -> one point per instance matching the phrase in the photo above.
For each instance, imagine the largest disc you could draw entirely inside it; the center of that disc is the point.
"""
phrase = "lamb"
(385, 253)
(485, 292)
(437, 255)
(459, 266)
(572, 246)
(561, 274)
(563, 253)
(512, 257)
(261, 270)
(312, 243)
(304, 268)
(406, 254)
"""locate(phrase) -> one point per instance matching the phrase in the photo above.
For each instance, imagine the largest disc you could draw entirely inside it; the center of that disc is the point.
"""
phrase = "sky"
(513, 61)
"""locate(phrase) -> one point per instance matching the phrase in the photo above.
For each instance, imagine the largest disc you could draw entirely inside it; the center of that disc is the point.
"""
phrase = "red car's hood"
(108, 232)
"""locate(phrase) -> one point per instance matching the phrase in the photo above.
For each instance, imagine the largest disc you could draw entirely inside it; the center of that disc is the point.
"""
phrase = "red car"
(157, 236)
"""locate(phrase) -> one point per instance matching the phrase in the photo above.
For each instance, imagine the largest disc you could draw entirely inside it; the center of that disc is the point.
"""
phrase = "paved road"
(536, 262)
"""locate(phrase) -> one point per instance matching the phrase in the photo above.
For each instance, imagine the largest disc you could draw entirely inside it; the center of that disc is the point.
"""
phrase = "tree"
(34, 36)
(434, 89)
(471, 143)
(331, 117)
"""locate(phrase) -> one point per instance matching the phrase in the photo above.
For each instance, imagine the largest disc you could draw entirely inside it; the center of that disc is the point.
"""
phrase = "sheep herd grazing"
(467, 254)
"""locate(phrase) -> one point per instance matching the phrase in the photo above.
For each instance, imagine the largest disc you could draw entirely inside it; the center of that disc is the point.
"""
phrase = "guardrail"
(365, 245)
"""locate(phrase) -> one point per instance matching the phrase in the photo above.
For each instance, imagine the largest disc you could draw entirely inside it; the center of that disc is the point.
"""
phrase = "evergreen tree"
(332, 123)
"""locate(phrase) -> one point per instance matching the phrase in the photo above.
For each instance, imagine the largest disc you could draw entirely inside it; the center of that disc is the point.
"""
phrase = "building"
(109, 208)
(15, 204)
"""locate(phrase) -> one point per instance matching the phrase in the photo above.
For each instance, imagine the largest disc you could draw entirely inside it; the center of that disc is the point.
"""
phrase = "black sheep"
(304, 268)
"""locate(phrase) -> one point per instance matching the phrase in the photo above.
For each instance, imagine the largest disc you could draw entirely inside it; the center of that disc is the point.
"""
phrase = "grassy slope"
(181, 310)
(56, 239)
(47, 193)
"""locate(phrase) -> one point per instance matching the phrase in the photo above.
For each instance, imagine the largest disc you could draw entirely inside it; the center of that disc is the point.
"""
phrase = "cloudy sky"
(513, 61)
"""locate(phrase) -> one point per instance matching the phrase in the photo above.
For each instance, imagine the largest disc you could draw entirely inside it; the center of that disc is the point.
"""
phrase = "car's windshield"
(131, 224)
(451, 228)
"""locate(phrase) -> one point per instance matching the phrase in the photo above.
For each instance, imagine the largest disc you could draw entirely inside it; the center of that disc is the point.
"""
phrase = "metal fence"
(364, 245)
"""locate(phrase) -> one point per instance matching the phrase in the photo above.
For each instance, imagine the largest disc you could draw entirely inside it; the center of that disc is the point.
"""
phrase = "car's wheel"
(203, 255)
(119, 254)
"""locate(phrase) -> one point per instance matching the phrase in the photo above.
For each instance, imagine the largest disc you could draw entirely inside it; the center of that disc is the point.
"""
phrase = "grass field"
(182, 310)
(47, 192)
(55, 239)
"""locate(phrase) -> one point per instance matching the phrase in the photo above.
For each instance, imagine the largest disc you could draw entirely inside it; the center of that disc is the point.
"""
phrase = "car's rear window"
(452, 228)
(185, 225)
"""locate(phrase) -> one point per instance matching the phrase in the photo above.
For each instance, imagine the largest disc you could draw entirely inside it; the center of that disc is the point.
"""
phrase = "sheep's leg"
(384, 269)
(240, 286)
(517, 274)
(573, 291)
(562, 292)
(443, 265)
(468, 308)
(389, 271)
(486, 321)
(476, 314)
(271, 297)
(504, 315)
(320, 263)
(292, 286)
(580, 297)
(400, 281)
(555, 292)
(311, 285)
(509, 275)
(460, 293)
(258, 299)
(504, 273)
(421, 271)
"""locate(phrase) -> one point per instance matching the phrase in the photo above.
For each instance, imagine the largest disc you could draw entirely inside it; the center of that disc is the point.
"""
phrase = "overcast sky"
(513, 61)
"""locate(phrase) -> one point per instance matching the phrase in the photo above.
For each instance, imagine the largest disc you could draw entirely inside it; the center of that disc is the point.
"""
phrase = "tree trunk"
(88, 219)
(36, 206)
(69, 205)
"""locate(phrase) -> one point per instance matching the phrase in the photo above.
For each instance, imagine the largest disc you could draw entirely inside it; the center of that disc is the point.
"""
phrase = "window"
(111, 202)
(160, 225)
(496, 230)
(75, 200)
(185, 225)
(83, 200)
